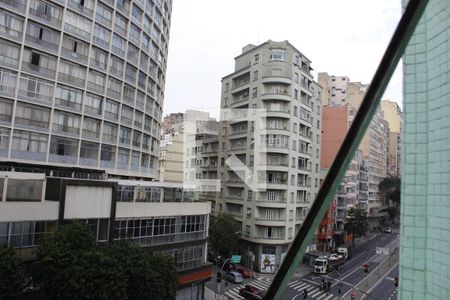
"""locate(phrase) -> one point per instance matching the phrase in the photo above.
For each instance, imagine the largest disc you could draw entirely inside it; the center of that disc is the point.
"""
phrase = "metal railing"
(397, 45)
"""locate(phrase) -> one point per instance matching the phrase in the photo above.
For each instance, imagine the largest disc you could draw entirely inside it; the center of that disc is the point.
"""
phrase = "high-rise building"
(425, 205)
(82, 83)
(394, 116)
(269, 150)
(374, 145)
(81, 95)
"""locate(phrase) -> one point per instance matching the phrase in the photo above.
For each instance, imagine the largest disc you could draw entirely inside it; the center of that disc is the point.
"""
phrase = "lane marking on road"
(316, 293)
(233, 295)
(293, 282)
(298, 285)
(381, 279)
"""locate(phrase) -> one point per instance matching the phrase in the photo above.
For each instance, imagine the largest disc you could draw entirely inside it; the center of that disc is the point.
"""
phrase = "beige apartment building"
(269, 150)
(394, 116)
(374, 146)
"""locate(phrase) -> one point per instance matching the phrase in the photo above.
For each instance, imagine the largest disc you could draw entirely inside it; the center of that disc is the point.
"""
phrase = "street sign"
(235, 259)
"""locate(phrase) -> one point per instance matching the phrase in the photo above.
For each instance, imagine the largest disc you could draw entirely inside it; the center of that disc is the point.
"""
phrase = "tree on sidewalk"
(72, 266)
(357, 223)
(11, 274)
(390, 188)
(224, 233)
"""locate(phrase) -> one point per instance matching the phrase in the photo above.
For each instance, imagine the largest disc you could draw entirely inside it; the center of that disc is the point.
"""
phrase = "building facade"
(82, 83)
(269, 149)
(425, 226)
(394, 116)
(375, 143)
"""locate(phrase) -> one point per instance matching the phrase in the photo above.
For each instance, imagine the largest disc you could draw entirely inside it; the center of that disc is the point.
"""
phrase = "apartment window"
(109, 134)
(31, 115)
(128, 93)
(255, 75)
(132, 54)
(124, 135)
(127, 115)
(277, 54)
(24, 190)
(108, 153)
(118, 45)
(114, 88)
(96, 82)
(123, 158)
(121, 25)
(145, 42)
(10, 54)
(72, 73)
(42, 36)
(5, 110)
(255, 92)
(135, 34)
(116, 67)
(316, 184)
(74, 49)
(29, 141)
(137, 138)
(62, 146)
(35, 89)
(77, 25)
(103, 14)
(93, 104)
(11, 24)
(101, 36)
(256, 57)
(296, 78)
(140, 100)
(292, 180)
(138, 119)
(99, 59)
(4, 140)
(292, 197)
(136, 14)
(130, 73)
(88, 150)
(69, 97)
(146, 141)
(153, 51)
(144, 61)
(111, 110)
(66, 123)
(91, 128)
(317, 168)
(39, 63)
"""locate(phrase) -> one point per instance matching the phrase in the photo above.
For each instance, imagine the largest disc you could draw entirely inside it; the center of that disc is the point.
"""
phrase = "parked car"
(388, 230)
(251, 292)
(243, 271)
(234, 277)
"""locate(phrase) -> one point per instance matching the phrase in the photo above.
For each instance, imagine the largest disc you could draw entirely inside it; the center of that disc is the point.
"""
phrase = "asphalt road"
(350, 274)
(386, 289)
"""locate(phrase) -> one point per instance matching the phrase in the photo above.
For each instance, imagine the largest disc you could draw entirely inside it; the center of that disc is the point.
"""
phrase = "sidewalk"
(303, 270)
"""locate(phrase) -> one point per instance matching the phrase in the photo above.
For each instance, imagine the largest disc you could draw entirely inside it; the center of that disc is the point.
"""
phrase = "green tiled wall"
(425, 204)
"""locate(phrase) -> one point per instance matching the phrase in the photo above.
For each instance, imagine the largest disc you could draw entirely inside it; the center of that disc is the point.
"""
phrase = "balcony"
(78, 57)
(237, 83)
(46, 45)
(38, 70)
(19, 5)
(276, 78)
(80, 8)
(272, 237)
(39, 14)
(77, 31)
(304, 184)
(71, 79)
(284, 96)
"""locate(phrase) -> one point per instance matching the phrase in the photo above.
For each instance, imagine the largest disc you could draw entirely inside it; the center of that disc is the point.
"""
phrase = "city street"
(349, 275)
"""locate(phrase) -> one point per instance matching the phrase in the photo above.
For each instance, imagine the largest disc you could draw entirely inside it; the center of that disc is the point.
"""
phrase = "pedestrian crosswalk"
(263, 283)
(314, 292)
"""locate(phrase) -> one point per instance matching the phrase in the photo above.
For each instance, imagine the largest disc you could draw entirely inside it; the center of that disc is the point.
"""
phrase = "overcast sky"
(339, 37)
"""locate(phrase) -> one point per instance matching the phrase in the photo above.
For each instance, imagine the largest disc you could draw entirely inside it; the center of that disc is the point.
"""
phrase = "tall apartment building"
(336, 120)
(425, 225)
(394, 116)
(374, 145)
(272, 124)
(81, 95)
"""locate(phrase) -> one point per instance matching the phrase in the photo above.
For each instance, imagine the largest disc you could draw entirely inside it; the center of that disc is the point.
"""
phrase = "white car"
(388, 230)
(334, 257)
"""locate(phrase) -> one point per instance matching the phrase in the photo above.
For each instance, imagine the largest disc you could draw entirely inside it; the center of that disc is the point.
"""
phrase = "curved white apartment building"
(273, 113)
(81, 83)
